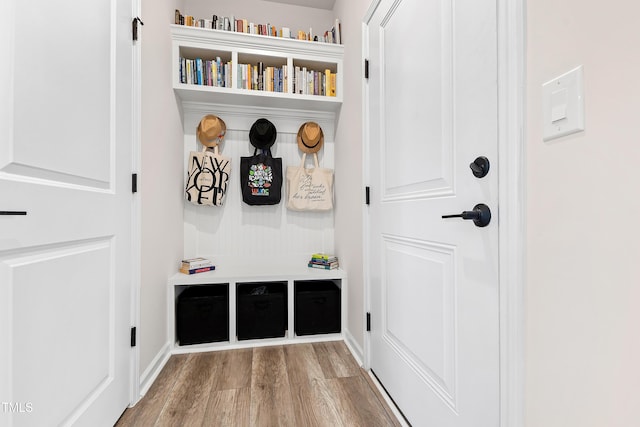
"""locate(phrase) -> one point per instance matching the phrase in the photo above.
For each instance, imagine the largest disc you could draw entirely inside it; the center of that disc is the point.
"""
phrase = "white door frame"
(511, 182)
(136, 219)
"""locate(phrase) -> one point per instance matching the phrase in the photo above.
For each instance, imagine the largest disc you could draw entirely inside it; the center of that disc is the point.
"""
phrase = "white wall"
(583, 203)
(254, 236)
(349, 188)
(160, 178)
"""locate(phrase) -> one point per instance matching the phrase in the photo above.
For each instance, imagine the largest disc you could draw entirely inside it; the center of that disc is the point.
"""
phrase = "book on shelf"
(325, 263)
(322, 267)
(332, 85)
(198, 262)
(197, 270)
(324, 256)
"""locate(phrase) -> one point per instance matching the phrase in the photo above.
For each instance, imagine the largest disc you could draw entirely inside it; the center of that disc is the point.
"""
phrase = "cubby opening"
(202, 314)
(261, 310)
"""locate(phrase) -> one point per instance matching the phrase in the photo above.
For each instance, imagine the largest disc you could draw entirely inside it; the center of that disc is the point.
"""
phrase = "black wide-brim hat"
(262, 134)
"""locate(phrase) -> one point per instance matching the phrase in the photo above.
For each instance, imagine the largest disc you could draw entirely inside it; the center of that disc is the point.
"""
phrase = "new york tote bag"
(261, 178)
(309, 189)
(207, 177)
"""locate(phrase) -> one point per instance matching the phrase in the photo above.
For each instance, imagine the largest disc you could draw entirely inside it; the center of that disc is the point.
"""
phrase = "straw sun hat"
(211, 130)
(310, 137)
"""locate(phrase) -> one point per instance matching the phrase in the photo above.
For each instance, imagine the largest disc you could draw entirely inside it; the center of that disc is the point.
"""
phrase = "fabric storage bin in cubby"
(202, 314)
(261, 310)
(316, 307)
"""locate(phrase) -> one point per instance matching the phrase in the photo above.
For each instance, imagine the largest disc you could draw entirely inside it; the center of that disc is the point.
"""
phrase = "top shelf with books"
(234, 68)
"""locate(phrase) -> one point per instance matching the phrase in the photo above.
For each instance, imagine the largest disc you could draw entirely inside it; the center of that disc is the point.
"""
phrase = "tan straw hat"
(310, 137)
(211, 130)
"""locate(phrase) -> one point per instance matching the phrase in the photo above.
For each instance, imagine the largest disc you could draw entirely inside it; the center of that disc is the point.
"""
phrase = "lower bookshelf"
(281, 285)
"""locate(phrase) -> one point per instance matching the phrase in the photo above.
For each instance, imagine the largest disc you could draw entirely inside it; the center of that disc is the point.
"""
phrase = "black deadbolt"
(481, 215)
(480, 167)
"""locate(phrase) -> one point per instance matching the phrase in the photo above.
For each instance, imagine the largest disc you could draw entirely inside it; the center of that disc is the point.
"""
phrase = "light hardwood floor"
(317, 384)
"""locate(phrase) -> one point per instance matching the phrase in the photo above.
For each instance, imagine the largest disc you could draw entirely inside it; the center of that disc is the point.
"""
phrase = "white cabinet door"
(65, 159)
(434, 281)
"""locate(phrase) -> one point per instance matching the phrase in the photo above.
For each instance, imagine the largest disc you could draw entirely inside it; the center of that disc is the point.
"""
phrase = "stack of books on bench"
(323, 261)
(196, 265)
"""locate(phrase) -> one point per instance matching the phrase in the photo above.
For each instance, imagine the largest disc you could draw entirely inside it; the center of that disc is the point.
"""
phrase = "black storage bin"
(202, 314)
(317, 307)
(261, 310)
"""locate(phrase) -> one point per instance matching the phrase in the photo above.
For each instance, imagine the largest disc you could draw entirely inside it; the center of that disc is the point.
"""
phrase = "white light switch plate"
(563, 105)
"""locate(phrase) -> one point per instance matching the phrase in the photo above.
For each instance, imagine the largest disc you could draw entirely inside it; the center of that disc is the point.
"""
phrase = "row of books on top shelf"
(224, 23)
(257, 77)
(196, 265)
(323, 261)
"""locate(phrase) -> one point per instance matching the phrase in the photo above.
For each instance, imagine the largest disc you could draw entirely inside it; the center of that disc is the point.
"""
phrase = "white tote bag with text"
(309, 189)
(207, 177)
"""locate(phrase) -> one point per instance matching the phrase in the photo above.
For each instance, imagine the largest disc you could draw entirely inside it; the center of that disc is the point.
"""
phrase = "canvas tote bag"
(207, 177)
(309, 189)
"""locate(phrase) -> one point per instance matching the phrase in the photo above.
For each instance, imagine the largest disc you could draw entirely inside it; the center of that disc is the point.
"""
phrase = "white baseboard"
(358, 354)
(354, 347)
(387, 399)
(153, 370)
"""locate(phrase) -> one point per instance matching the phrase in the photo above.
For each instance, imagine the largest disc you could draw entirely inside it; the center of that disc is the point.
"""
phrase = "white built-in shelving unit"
(250, 243)
(192, 42)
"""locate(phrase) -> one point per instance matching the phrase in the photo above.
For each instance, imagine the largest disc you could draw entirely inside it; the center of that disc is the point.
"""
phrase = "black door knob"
(480, 167)
(481, 215)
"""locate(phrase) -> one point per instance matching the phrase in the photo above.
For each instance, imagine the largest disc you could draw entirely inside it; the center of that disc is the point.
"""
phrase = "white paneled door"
(65, 161)
(434, 281)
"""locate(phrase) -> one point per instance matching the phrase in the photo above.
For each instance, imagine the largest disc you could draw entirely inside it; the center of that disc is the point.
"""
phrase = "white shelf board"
(229, 40)
(255, 98)
(264, 273)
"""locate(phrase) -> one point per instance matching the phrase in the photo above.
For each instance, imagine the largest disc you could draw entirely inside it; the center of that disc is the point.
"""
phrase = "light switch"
(559, 105)
(563, 105)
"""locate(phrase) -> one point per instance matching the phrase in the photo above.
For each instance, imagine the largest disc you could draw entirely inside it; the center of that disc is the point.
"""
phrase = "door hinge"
(133, 336)
(367, 195)
(134, 182)
(368, 322)
(366, 68)
(134, 27)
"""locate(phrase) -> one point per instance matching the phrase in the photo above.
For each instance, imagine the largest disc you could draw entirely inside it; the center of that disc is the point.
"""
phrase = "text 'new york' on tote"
(207, 178)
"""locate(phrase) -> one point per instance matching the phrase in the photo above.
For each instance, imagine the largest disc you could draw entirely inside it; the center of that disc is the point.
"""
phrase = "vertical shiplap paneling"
(257, 233)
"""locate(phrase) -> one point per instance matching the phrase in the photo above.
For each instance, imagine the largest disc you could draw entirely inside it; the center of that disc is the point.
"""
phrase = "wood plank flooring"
(317, 384)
